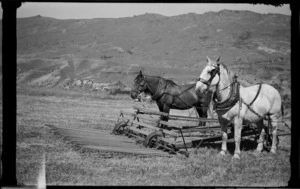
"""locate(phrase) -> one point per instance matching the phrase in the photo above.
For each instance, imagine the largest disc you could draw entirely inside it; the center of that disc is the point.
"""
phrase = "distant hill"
(59, 53)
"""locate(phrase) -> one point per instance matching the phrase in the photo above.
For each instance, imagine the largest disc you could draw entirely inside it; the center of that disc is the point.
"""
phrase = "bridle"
(213, 73)
(233, 95)
(144, 83)
(141, 86)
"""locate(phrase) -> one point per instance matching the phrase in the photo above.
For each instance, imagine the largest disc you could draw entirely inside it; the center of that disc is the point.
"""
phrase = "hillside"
(90, 52)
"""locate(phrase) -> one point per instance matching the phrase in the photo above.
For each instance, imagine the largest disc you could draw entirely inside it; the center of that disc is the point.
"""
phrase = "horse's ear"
(208, 59)
(218, 59)
(141, 72)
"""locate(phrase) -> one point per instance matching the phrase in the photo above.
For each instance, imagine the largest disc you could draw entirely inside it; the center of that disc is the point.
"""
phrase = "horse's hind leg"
(261, 138)
(165, 109)
(274, 122)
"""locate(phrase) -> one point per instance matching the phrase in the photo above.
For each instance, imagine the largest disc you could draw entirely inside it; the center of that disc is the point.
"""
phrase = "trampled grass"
(67, 164)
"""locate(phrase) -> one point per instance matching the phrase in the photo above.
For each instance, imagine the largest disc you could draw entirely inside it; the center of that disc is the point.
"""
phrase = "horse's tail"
(282, 111)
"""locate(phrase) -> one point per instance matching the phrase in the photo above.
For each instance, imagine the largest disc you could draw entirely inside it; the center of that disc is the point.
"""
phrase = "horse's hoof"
(273, 151)
(259, 147)
(257, 152)
(222, 153)
(236, 156)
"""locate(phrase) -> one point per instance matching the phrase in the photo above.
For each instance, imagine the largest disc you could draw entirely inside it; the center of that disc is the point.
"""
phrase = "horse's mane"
(230, 74)
(168, 81)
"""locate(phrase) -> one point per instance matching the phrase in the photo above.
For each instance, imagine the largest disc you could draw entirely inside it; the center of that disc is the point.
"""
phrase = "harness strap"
(249, 105)
(251, 109)
(259, 88)
(160, 92)
(158, 95)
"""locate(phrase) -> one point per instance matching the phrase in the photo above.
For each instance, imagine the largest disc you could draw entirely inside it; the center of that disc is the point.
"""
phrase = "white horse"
(235, 104)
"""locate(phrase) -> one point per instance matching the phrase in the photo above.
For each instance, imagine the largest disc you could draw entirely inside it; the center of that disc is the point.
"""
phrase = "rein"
(227, 86)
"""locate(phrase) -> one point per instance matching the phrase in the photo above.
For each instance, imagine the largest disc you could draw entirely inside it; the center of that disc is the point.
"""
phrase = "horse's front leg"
(210, 110)
(261, 138)
(202, 113)
(224, 125)
(224, 140)
(237, 136)
(165, 109)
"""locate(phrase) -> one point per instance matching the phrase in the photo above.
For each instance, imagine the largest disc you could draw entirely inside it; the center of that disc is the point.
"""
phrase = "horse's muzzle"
(199, 94)
(202, 94)
(134, 94)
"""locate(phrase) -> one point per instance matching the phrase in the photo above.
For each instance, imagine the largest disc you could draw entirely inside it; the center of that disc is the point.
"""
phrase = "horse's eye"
(211, 71)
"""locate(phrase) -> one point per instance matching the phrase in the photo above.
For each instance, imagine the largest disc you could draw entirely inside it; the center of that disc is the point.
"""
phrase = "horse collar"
(232, 99)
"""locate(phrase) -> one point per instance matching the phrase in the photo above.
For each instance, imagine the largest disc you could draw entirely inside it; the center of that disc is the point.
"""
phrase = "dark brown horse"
(168, 95)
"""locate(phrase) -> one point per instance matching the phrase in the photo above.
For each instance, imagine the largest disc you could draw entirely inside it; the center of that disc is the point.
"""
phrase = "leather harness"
(234, 95)
(232, 99)
(249, 105)
(160, 91)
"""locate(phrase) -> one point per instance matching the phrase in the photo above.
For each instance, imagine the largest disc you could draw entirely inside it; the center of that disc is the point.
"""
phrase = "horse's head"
(139, 86)
(210, 76)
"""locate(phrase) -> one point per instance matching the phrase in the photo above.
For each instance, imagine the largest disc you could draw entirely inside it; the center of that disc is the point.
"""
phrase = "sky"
(117, 10)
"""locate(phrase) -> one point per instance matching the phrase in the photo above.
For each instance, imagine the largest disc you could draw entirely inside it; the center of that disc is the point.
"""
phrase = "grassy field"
(70, 165)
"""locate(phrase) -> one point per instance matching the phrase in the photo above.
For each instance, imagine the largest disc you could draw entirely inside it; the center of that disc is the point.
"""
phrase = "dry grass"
(66, 164)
